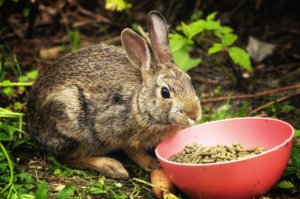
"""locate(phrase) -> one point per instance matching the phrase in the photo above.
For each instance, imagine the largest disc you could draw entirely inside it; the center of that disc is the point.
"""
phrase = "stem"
(149, 184)
(11, 170)
(20, 125)
(16, 84)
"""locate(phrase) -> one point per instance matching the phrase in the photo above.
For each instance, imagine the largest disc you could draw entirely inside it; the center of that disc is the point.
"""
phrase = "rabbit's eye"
(165, 93)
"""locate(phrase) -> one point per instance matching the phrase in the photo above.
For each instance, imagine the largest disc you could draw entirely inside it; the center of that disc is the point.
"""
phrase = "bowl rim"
(231, 161)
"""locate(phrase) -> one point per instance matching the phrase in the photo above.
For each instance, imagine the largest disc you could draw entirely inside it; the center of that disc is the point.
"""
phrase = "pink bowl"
(245, 178)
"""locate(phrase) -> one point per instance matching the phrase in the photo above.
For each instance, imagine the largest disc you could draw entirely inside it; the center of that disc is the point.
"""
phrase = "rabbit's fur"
(104, 98)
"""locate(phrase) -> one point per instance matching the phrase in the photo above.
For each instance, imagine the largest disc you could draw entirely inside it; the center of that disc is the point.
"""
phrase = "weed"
(74, 39)
(206, 32)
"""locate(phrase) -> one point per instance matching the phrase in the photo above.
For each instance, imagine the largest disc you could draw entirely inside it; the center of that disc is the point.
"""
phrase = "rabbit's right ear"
(136, 49)
(158, 33)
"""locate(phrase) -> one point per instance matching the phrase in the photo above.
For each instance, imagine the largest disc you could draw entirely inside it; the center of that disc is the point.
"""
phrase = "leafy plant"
(291, 175)
(66, 192)
(225, 111)
(210, 32)
(74, 38)
(118, 5)
(42, 191)
(23, 81)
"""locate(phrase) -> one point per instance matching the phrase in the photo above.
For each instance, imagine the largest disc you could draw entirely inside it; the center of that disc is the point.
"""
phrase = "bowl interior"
(249, 132)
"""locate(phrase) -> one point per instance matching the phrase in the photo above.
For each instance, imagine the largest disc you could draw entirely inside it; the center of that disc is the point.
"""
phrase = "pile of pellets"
(199, 154)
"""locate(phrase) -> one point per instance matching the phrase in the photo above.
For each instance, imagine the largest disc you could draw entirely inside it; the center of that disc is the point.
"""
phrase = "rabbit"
(104, 98)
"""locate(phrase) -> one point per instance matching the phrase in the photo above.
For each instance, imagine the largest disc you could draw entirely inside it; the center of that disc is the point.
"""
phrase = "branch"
(247, 96)
(273, 102)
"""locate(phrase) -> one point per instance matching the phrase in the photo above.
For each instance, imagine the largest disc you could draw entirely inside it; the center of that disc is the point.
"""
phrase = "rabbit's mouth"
(191, 122)
(184, 121)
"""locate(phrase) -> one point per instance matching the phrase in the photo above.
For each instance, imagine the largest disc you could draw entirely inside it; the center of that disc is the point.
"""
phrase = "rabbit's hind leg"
(109, 167)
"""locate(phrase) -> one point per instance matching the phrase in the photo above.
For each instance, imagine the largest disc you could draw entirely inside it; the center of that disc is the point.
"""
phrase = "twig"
(273, 102)
(238, 97)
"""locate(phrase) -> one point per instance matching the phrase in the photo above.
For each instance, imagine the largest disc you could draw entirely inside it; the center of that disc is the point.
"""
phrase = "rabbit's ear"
(158, 32)
(136, 48)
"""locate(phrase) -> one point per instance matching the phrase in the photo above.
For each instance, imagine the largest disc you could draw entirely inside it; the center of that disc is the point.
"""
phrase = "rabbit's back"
(94, 84)
(92, 66)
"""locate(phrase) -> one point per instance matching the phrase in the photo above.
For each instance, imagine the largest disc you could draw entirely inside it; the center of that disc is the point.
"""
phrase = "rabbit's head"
(167, 96)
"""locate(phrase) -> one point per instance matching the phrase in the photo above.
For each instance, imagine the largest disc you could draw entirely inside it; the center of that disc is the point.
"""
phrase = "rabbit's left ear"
(158, 33)
(136, 49)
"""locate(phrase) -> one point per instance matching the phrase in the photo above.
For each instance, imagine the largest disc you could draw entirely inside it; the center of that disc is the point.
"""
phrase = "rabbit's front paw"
(154, 164)
(107, 166)
(145, 161)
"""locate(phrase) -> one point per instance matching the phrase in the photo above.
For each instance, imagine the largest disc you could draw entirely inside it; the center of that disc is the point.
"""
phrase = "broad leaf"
(196, 28)
(177, 42)
(226, 29)
(215, 48)
(297, 133)
(228, 39)
(240, 57)
(212, 25)
(184, 61)
(285, 184)
(211, 16)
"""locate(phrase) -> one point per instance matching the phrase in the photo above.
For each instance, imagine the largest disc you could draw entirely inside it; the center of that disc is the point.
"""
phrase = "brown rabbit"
(104, 98)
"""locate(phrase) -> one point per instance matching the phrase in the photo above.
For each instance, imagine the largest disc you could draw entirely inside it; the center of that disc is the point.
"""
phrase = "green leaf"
(29, 76)
(66, 192)
(177, 42)
(7, 133)
(215, 48)
(226, 29)
(25, 177)
(26, 196)
(185, 29)
(118, 5)
(42, 192)
(285, 185)
(297, 133)
(211, 16)
(295, 155)
(32, 74)
(228, 39)
(240, 57)
(212, 25)
(8, 91)
(6, 83)
(97, 191)
(184, 61)
(74, 37)
(196, 28)
(26, 11)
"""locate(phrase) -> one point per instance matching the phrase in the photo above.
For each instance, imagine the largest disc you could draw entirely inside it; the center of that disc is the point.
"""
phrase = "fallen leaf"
(259, 50)
(50, 53)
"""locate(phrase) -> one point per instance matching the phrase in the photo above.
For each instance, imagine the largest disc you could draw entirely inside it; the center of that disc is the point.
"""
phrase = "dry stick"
(217, 99)
(273, 102)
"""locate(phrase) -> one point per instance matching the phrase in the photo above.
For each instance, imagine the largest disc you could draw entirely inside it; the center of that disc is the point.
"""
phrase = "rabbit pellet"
(199, 154)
